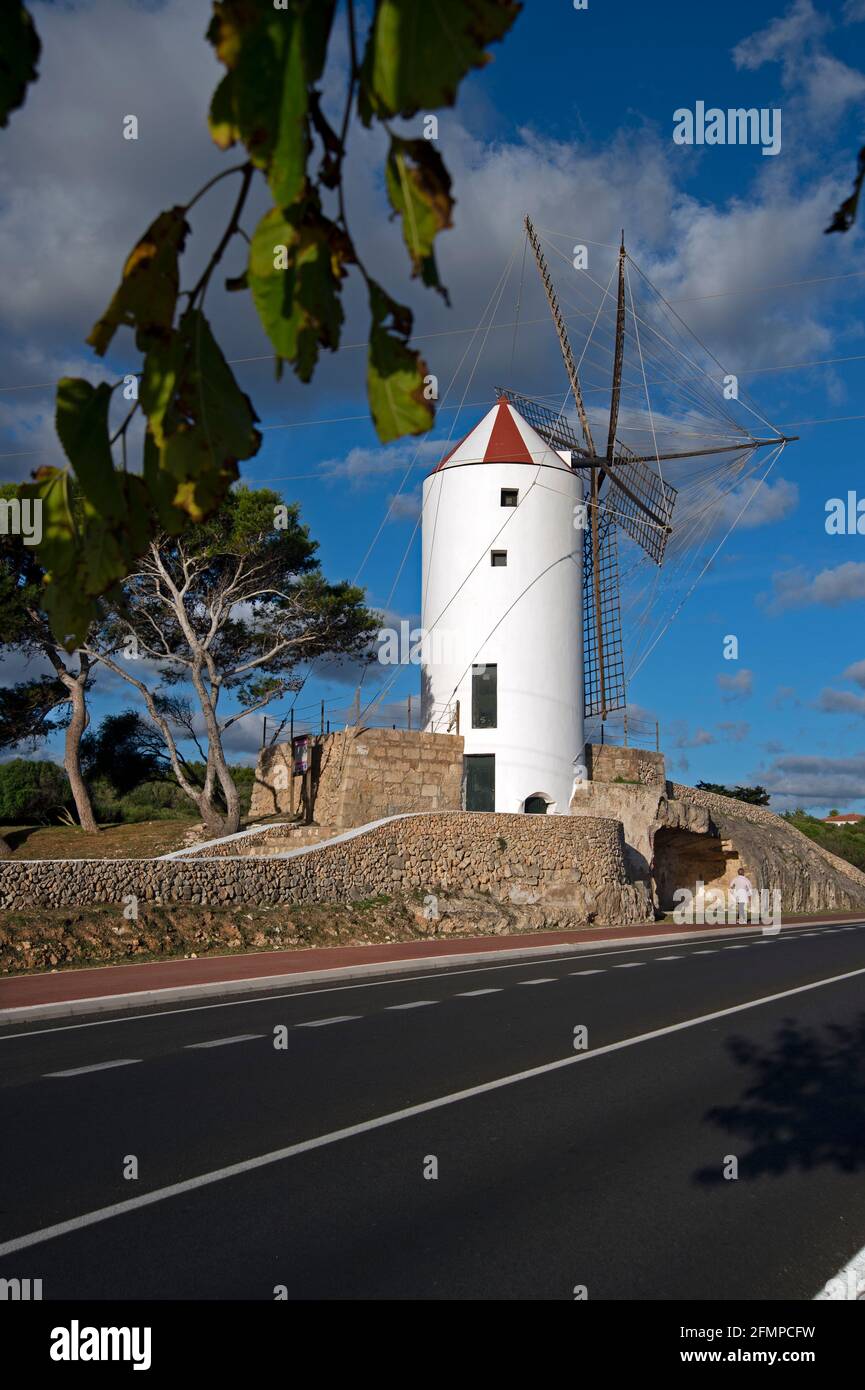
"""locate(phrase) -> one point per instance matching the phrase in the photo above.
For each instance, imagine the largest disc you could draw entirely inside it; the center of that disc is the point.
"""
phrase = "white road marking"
(847, 1285)
(669, 957)
(547, 980)
(587, 972)
(224, 1042)
(97, 1066)
(629, 965)
(250, 1165)
(322, 1022)
(415, 1004)
(473, 993)
(704, 953)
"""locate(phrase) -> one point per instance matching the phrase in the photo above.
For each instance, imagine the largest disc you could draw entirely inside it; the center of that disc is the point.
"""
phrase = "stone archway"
(683, 858)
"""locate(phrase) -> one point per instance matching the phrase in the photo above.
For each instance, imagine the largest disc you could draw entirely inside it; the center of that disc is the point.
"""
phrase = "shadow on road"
(805, 1106)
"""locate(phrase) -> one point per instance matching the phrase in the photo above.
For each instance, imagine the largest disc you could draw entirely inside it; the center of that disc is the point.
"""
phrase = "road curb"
(258, 984)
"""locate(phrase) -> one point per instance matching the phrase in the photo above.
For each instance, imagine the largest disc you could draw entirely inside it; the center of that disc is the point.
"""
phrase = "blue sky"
(572, 121)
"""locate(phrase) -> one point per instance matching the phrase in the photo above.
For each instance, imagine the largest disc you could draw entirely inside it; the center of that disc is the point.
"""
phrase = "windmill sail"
(663, 389)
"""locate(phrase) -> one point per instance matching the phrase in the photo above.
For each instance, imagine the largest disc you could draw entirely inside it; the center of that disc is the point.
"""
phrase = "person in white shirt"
(741, 892)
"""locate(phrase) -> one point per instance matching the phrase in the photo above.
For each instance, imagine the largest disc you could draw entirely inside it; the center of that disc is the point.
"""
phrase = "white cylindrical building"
(502, 613)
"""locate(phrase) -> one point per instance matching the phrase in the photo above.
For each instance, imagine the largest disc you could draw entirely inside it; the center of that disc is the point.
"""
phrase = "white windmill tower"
(502, 598)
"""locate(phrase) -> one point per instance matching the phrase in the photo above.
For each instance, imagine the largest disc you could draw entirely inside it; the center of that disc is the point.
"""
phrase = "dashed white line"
(415, 1004)
(629, 965)
(547, 980)
(704, 953)
(473, 993)
(322, 1022)
(668, 957)
(224, 1042)
(586, 972)
(97, 1066)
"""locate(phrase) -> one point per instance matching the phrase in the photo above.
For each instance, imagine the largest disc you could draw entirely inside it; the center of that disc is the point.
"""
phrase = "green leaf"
(19, 54)
(220, 117)
(59, 534)
(147, 296)
(82, 426)
(418, 186)
(419, 51)
(273, 59)
(395, 372)
(200, 423)
(299, 305)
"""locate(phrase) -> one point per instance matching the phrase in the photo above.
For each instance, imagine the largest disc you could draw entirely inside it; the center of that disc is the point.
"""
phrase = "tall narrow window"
(498, 558)
(484, 697)
(510, 496)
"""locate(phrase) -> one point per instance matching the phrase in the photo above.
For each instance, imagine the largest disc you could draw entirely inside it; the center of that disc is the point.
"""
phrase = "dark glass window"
(484, 697)
(498, 558)
(510, 496)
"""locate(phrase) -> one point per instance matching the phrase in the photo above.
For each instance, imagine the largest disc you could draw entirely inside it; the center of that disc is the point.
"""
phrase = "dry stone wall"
(364, 774)
(607, 762)
(576, 865)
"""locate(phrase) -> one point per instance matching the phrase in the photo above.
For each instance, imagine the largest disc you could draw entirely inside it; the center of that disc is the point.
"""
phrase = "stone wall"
(362, 775)
(605, 762)
(576, 866)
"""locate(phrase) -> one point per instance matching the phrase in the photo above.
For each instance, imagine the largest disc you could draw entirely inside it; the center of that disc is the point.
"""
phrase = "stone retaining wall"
(363, 774)
(577, 864)
(605, 762)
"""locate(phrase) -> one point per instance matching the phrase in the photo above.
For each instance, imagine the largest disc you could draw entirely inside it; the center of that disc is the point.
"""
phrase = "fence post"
(322, 716)
(409, 714)
(264, 733)
(291, 766)
(625, 722)
(657, 737)
(458, 718)
(357, 707)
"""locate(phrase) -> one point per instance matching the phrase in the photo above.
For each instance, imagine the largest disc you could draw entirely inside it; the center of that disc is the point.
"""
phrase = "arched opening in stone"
(538, 805)
(682, 859)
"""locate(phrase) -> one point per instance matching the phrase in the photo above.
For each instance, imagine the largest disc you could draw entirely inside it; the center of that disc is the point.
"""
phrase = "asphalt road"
(602, 1168)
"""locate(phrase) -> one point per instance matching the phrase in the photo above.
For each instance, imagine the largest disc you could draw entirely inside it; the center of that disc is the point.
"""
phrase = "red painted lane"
(103, 981)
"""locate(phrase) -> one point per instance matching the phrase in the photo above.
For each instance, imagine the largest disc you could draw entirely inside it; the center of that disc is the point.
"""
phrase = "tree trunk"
(72, 760)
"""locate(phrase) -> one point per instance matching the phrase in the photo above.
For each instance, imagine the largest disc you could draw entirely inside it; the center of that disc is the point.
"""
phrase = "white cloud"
(737, 687)
(795, 588)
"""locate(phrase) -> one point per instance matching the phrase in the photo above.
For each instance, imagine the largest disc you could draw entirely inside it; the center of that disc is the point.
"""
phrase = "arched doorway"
(684, 858)
(536, 805)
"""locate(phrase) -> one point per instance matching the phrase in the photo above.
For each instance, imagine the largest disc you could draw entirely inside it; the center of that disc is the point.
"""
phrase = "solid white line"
(415, 1004)
(224, 1042)
(547, 980)
(847, 1285)
(478, 967)
(97, 1066)
(473, 993)
(250, 1165)
(322, 1022)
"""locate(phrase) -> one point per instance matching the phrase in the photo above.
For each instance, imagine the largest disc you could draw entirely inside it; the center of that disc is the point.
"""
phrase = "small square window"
(498, 558)
(510, 496)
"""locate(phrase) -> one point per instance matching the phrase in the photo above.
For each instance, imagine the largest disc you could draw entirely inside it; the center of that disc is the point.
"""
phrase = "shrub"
(31, 791)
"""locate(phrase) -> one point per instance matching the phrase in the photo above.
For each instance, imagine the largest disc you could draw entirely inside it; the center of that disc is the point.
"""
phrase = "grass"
(143, 840)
